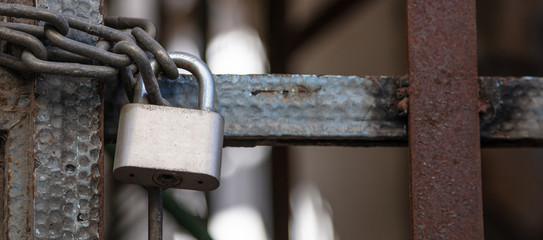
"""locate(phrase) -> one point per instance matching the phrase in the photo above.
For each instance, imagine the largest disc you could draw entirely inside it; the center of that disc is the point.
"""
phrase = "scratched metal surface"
(68, 162)
(17, 126)
(295, 109)
(287, 109)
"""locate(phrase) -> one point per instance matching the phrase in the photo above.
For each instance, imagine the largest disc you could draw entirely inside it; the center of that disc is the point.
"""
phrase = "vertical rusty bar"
(277, 35)
(17, 131)
(17, 128)
(280, 192)
(446, 200)
(277, 55)
(155, 214)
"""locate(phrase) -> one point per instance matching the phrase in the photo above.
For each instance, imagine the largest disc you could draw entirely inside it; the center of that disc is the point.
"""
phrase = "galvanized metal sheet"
(68, 154)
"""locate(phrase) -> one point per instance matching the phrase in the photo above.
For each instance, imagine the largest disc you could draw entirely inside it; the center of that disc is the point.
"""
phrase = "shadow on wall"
(511, 44)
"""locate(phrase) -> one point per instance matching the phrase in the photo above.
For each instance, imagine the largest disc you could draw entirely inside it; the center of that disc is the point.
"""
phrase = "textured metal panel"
(68, 153)
(296, 109)
(68, 148)
(17, 126)
(443, 123)
(88, 9)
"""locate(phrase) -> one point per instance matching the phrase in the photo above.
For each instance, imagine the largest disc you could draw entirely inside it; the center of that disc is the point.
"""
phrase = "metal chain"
(47, 50)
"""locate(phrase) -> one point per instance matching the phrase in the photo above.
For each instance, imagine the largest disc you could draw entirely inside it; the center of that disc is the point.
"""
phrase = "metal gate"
(52, 128)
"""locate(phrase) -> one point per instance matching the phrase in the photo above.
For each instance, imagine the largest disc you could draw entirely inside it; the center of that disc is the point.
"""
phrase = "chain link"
(119, 54)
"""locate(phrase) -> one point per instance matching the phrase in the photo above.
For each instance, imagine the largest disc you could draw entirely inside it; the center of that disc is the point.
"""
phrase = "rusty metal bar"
(277, 35)
(17, 128)
(155, 213)
(443, 122)
(284, 110)
(293, 109)
(280, 186)
(277, 39)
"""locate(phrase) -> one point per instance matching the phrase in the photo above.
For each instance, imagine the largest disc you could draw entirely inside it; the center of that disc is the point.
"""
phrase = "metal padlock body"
(172, 147)
(169, 147)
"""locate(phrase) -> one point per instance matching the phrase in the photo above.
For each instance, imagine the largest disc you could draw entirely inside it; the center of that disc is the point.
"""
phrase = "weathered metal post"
(443, 124)
(17, 145)
(52, 141)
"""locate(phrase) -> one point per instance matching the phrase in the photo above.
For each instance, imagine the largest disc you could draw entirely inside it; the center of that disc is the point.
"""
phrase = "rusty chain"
(125, 48)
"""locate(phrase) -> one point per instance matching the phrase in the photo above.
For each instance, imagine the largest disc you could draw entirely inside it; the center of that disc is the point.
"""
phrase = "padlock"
(172, 147)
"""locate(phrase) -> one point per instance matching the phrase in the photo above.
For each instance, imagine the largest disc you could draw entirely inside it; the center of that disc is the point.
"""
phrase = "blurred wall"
(367, 188)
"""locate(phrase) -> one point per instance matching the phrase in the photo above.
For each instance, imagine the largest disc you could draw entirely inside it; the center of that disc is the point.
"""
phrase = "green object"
(186, 220)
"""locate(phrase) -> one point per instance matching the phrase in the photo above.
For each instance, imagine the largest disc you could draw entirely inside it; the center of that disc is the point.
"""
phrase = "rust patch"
(402, 105)
(299, 90)
(483, 106)
(259, 91)
(401, 92)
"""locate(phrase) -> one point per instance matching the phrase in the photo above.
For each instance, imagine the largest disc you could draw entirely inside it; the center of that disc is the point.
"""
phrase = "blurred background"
(328, 192)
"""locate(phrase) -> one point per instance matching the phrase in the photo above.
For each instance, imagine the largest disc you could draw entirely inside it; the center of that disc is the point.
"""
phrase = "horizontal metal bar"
(343, 110)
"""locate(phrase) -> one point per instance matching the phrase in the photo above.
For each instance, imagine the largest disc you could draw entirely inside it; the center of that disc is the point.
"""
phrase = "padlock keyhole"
(167, 179)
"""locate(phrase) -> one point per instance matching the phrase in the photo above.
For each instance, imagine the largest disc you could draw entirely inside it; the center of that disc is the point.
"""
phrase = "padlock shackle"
(191, 63)
(140, 95)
